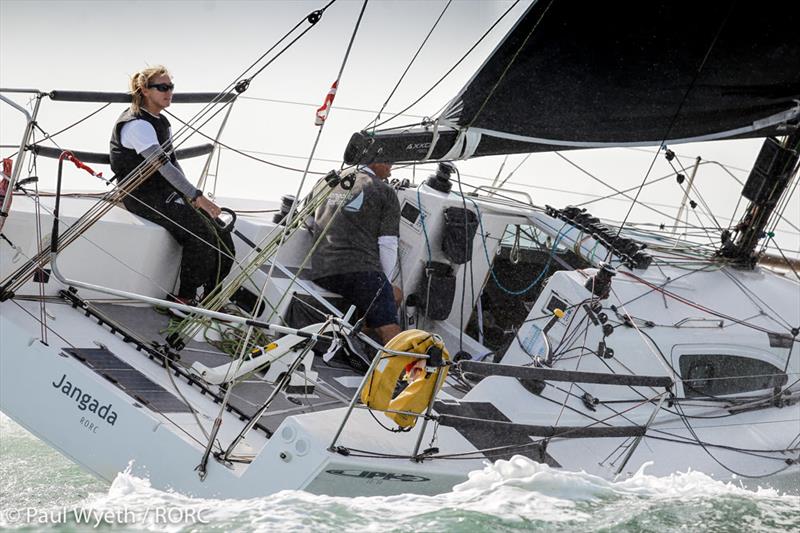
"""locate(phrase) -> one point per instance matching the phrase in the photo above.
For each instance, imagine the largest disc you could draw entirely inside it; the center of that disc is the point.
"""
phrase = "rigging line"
(32, 170)
(660, 357)
(711, 241)
(788, 198)
(726, 168)
(786, 259)
(168, 369)
(678, 112)
(233, 84)
(290, 156)
(464, 269)
(569, 332)
(559, 436)
(733, 216)
(778, 213)
(508, 67)
(793, 441)
(570, 337)
(286, 35)
(696, 189)
(654, 288)
(634, 200)
(720, 463)
(789, 359)
(700, 307)
(510, 174)
(320, 12)
(596, 197)
(49, 137)
(399, 81)
(248, 80)
(293, 208)
(756, 300)
(679, 439)
(54, 332)
(307, 104)
(446, 74)
(577, 365)
(208, 107)
(500, 170)
(100, 248)
(243, 152)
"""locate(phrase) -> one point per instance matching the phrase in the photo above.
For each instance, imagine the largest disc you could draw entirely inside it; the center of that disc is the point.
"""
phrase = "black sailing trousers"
(201, 265)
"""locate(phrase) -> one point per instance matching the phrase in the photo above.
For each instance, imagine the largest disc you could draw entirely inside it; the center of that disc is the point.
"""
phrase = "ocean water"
(41, 490)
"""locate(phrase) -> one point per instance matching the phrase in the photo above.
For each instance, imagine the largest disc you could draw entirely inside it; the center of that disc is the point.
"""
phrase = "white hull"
(166, 447)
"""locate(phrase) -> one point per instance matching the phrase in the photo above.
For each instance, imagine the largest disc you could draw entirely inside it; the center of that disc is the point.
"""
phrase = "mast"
(773, 171)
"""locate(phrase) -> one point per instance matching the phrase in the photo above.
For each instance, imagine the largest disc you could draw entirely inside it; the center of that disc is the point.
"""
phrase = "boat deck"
(336, 383)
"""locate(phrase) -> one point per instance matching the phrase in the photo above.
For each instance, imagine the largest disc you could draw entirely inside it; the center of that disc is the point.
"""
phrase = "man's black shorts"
(361, 288)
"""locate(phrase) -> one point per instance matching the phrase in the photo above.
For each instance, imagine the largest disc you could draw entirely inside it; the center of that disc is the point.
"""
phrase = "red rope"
(69, 156)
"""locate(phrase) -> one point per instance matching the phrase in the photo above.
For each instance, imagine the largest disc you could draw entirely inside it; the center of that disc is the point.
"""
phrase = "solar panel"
(130, 380)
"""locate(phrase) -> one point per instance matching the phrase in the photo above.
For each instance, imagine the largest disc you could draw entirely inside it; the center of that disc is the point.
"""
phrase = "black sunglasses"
(161, 87)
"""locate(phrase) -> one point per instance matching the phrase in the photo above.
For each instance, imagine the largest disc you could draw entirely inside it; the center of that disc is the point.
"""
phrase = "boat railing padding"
(103, 159)
(125, 98)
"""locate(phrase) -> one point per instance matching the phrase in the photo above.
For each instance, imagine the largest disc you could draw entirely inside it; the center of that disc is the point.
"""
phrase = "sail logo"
(85, 401)
(418, 146)
(381, 476)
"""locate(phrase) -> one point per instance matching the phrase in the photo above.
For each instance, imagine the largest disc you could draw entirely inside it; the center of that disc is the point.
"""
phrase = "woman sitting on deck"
(167, 197)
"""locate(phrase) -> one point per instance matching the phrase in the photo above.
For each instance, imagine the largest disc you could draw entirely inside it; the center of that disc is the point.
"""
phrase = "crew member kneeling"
(357, 251)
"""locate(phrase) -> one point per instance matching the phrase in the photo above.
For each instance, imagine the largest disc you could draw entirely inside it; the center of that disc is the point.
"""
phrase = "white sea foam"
(506, 495)
(516, 491)
(522, 472)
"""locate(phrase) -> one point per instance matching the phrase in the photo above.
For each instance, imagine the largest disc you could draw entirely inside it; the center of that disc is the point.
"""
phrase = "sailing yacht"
(543, 331)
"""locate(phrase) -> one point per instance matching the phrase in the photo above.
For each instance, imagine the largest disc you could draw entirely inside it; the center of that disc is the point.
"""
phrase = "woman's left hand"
(201, 202)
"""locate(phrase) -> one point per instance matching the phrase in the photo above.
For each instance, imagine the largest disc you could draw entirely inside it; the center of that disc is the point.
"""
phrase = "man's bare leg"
(387, 332)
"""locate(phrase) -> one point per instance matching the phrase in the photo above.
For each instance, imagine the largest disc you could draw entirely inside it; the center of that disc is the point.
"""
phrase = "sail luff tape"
(777, 118)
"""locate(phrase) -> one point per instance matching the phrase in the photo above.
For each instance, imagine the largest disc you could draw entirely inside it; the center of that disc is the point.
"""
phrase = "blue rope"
(422, 219)
(559, 236)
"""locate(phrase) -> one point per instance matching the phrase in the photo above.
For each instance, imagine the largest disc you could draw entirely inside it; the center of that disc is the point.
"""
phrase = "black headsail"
(620, 73)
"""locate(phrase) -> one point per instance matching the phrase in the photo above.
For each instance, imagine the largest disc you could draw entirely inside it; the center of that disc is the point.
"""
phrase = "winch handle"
(226, 226)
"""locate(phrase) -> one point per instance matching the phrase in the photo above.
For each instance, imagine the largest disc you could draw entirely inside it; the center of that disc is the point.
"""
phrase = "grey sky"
(96, 45)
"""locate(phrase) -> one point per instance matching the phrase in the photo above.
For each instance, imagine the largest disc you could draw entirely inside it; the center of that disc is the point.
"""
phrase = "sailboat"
(544, 331)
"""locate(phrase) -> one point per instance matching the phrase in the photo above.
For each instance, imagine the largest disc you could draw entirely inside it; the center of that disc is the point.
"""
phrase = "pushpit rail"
(384, 353)
(17, 278)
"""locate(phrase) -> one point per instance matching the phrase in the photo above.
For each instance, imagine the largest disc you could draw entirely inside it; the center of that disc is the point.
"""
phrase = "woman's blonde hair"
(140, 80)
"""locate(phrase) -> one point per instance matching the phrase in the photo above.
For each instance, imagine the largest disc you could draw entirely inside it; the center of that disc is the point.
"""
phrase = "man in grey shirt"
(357, 253)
